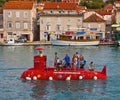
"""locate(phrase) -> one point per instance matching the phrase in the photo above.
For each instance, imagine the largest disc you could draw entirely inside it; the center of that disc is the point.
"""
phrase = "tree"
(2, 2)
(93, 4)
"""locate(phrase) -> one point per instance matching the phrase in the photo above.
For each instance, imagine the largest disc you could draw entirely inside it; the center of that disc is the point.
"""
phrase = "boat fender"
(50, 78)
(28, 78)
(68, 78)
(34, 78)
(80, 77)
(95, 77)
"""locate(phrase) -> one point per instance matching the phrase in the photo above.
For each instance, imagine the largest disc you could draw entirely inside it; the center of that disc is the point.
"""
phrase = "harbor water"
(15, 59)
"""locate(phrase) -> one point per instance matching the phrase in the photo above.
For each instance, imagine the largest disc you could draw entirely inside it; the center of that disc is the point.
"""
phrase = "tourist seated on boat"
(82, 63)
(91, 66)
(67, 60)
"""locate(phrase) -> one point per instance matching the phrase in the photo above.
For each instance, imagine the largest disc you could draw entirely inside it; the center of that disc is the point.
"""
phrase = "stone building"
(95, 26)
(118, 18)
(1, 27)
(59, 17)
(19, 20)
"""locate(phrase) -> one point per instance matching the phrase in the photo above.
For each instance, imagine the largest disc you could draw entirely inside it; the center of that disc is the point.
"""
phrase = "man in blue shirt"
(67, 60)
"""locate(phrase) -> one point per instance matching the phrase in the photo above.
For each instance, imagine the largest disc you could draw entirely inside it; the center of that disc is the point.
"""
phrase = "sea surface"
(15, 59)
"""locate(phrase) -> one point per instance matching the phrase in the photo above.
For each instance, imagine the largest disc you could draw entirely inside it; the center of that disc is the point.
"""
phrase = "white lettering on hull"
(66, 72)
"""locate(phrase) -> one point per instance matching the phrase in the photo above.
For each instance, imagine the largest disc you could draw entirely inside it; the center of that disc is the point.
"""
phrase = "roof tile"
(18, 5)
(60, 5)
(93, 18)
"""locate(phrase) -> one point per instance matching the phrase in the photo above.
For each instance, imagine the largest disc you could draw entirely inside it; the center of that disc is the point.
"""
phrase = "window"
(51, 12)
(68, 27)
(68, 12)
(25, 14)
(99, 25)
(78, 28)
(1, 35)
(25, 25)
(58, 20)
(58, 27)
(88, 25)
(78, 20)
(68, 20)
(9, 14)
(59, 11)
(17, 25)
(17, 14)
(42, 21)
(47, 27)
(9, 24)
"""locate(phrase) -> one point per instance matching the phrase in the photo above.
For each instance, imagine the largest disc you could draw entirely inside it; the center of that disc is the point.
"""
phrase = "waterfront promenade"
(37, 43)
(49, 43)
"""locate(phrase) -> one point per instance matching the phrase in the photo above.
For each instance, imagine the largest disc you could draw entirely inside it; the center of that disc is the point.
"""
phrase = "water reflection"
(52, 89)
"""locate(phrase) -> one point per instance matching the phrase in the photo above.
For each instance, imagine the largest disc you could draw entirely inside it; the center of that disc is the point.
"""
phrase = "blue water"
(14, 60)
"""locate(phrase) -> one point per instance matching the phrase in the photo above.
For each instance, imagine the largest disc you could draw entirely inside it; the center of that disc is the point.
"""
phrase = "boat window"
(81, 38)
(97, 37)
(10, 39)
(76, 37)
(72, 37)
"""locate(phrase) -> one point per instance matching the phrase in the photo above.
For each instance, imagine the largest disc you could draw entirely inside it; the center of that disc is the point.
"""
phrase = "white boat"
(74, 40)
(11, 42)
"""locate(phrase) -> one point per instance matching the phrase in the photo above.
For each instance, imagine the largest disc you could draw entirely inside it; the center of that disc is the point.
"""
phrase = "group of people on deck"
(77, 61)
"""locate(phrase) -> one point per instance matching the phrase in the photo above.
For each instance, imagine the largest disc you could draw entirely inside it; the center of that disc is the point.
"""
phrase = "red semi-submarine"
(40, 71)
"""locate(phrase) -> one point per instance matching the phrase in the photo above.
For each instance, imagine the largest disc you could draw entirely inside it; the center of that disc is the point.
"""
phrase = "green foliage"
(2, 2)
(110, 1)
(95, 4)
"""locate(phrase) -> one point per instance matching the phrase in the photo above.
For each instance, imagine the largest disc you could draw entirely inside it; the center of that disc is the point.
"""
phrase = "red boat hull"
(63, 74)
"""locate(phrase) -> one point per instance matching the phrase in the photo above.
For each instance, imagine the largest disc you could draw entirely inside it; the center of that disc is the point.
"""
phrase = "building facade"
(1, 28)
(65, 18)
(58, 18)
(95, 26)
(118, 18)
(19, 20)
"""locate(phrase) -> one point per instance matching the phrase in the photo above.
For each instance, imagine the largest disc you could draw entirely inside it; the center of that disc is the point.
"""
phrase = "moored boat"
(40, 71)
(75, 40)
(11, 42)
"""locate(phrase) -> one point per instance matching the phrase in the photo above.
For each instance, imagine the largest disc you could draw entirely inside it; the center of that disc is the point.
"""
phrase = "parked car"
(21, 40)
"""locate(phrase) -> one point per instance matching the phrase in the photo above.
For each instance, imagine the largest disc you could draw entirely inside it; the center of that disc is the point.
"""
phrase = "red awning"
(69, 32)
(39, 48)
